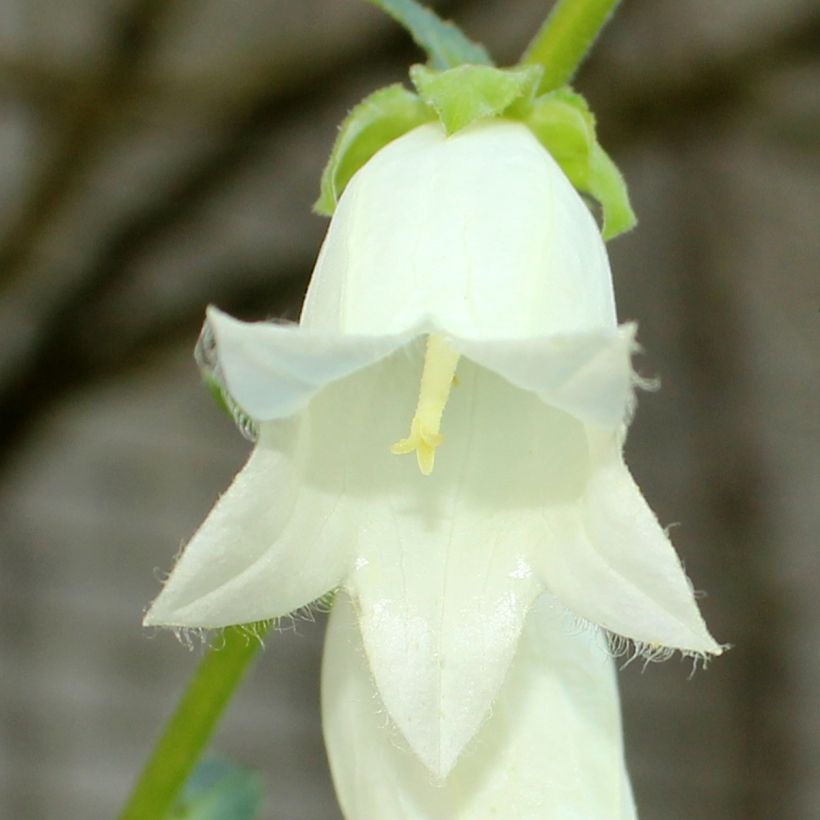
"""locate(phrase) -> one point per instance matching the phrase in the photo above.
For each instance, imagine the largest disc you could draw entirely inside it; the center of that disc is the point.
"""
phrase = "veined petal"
(587, 375)
(441, 613)
(608, 559)
(274, 542)
(480, 231)
(273, 370)
(551, 749)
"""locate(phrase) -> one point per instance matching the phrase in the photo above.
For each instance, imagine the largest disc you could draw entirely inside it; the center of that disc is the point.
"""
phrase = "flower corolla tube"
(461, 310)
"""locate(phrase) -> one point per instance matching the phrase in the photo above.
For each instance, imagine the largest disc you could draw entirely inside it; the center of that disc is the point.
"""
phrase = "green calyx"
(458, 97)
(380, 118)
(565, 126)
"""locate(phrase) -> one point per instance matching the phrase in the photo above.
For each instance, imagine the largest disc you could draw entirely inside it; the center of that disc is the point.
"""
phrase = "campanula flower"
(440, 436)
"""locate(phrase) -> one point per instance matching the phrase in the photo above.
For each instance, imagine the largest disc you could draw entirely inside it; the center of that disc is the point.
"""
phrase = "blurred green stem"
(190, 727)
(566, 36)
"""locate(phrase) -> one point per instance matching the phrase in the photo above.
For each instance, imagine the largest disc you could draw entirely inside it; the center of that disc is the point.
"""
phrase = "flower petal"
(588, 375)
(273, 543)
(272, 370)
(550, 750)
(441, 617)
(610, 562)
(480, 231)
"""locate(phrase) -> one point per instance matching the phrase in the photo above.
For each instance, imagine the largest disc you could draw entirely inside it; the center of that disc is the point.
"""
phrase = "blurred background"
(158, 155)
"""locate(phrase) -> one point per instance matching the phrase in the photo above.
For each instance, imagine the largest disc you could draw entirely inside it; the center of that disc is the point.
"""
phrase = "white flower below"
(551, 748)
(477, 240)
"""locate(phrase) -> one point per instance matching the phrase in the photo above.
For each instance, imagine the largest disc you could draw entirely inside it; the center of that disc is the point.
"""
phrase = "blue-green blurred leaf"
(445, 43)
(219, 790)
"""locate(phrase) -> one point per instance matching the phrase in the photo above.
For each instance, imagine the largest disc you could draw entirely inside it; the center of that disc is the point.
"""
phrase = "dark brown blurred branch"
(101, 99)
(82, 125)
(62, 357)
(734, 471)
(718, 86)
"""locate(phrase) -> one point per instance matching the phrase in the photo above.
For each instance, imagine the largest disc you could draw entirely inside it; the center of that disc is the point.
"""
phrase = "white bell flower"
(550, 750)
(478, 242)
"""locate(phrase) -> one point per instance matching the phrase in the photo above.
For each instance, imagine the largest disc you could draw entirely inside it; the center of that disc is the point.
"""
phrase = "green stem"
(190, 727)
(566, 36)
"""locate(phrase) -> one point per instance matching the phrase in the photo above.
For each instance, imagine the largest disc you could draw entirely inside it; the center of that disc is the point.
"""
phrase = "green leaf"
(462, 95)
(444, 42)
(219, 789)
(565, 126)
(379, 119)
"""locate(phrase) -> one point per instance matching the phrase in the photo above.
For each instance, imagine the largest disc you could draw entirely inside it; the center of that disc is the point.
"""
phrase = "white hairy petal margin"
(443, 567)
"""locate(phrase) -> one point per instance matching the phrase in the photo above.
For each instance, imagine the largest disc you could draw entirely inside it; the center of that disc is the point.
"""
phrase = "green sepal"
(445, 43)
(244, 423)
(608, 186)
(217, 392)
(377, 120)
(565, 126)
(467, 93)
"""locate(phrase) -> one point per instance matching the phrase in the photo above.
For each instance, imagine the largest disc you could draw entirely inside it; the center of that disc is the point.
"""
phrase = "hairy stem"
(187, 732)
(566, 36)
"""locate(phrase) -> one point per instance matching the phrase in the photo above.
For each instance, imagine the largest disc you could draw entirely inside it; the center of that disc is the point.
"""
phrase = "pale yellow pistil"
(440, 364)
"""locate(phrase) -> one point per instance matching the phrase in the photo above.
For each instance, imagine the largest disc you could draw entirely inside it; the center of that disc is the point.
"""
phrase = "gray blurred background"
(157, 155)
